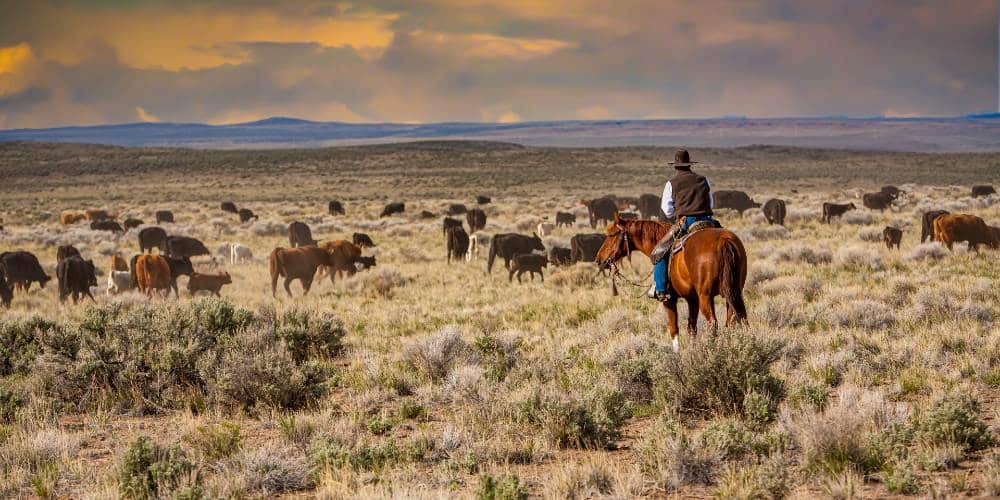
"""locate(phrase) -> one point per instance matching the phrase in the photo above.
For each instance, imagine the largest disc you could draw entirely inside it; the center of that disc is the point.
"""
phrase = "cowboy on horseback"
(688, 197)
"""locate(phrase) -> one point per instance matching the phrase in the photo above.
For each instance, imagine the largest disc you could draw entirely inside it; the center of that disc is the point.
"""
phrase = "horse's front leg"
(671, 307)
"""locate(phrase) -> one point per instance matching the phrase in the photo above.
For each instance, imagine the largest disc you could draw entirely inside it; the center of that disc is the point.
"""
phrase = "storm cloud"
(106, 61)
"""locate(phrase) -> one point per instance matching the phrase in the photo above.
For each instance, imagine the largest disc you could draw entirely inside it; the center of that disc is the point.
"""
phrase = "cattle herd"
(164, 257)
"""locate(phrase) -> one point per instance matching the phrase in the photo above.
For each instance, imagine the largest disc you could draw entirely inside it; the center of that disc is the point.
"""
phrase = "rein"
(616, 273)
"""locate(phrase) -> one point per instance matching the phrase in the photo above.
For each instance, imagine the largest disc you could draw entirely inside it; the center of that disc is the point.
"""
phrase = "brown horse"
(713, 262)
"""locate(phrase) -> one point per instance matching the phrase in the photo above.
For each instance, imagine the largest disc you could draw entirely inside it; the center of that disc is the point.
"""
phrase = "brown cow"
(343, 256)
(774, 211)
(132, 223)
(565, 219)
(983, 190)
(98, 215)
(527, 263)
(209, 282)
(927, 223)
(118, 263)
(67, 217)
(949, 229)
(892, 237)
(877, 201)
(152, 273)
(296, 264)
(831, 210)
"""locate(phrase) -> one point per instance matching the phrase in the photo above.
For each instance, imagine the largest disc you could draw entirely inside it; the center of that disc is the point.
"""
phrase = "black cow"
(106, 225)
(393, 208)
(892, 237)
(362, 240)
(982, 190)
(476, 218)
(184, 246)
(565, 219)
(299, 235)
(6, 293)
(152, 237)
(651, 206)
(427, 214)
(458, 243)
(892, 191)
(736, 200)
(527, 263)
(448, 223)
(774, 211)
(65, 252)
(457, 209)
(23, 269)
(602, 209)
(228, 206)
(583, 247)
(367, 262)
(179, 266)
(507, 245)
(132, 222)
(75, 276)
(877, 201)
(560, 256)
(246, 215)
(483, 200)
(164, 216)
(335, 207)
(831, 210)
(927, 223)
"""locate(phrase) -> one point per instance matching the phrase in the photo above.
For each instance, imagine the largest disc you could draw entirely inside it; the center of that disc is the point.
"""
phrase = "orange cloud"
(14, 63)
(145, 115)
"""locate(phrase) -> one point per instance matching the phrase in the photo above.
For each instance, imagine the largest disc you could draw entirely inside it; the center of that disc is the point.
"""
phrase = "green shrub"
(902, 480)
(496, 355)
(325, 454)
(809, 396)
(593, 419)
(310, 335)
(505, 488)
(10, 403)
(768, 479)
(19, 343)
(216, 442)
(954, 418)
(410, 409)
(150, 471)
(45, 482)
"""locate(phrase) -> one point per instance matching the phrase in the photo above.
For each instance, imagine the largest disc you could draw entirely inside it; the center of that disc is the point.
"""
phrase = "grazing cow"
(23, 269)
(335, 207)
(457, 209)
(118, 263)
(393, 208)
(362, 240)
(184, 246)
(949, 229)
(344, 257)
(228, 206)
(476, 242)
(602, 209)
(131, 223)
(483, 200)
(6, 293)
(152, 237)
(98, 215)
(527, 263)
(458, 243)
(831, 210)
(583, 247)
(507, 245)
(983, 190)
(565, 219)
(151, 274)
(246, 215)
(67, 217)
(774, 211)
(927, 223)
(66, 251)
(892, 191)
(476, 218)
(877, 201)
(448, 223)
(650, 206)
(892, 237)
(106, 225)
(299, 235)
(75, 276)
(626, 202)
(208, 282)
(735, 200)
(239, 254)
(164, 216)
(365, 262)
(296, 264)
(119, 282)
(545, 228)
(560, 256)
(427, 214)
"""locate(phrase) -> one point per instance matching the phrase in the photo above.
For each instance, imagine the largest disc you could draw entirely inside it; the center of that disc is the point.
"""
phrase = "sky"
(84, 62)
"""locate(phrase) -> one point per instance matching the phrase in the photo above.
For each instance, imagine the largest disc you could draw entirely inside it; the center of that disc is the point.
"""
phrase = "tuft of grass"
(434, 356)
(149, 470)
(953, 418)
(504, 488)
(215, 441)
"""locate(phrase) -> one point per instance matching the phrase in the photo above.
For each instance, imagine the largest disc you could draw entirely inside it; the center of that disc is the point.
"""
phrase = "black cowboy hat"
(682, 159)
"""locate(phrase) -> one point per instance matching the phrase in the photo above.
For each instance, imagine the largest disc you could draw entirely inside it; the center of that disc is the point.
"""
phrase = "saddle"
(679, 242)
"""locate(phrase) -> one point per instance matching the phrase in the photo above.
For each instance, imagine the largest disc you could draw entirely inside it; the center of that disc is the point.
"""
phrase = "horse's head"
(617, 244)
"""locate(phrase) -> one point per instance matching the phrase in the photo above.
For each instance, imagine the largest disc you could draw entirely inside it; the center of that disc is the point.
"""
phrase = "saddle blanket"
(694, 228)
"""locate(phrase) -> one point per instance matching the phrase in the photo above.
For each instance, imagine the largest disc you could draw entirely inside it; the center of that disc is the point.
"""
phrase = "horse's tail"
(732, 268)
(493, 255)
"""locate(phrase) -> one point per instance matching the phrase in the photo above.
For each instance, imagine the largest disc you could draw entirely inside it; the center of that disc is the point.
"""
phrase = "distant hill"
(974, 133)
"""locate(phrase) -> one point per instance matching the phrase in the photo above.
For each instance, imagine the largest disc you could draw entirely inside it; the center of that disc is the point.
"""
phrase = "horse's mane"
(646, 230)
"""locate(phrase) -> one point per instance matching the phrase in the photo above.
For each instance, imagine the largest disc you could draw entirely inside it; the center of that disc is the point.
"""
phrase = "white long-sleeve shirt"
(667, 202)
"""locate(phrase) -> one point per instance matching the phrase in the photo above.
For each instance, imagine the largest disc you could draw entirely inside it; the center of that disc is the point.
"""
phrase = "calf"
(132, 223)
(447, 223)
(335, 207)
(507, 245)
(892, 237)
(97, 215)
(527, 263)
(476, 242)
(983, 190)
(23, 269)
(208, 282)
(476, 218)
(362, 240)
(427, 214)
(119, 282)
(393, 208)
(106, 225)
(774, 211)
(152, 274)
(483, 200)
(228, 206)
(67, 217)
(240, 254)
(164, 216)
(344, 257)
(565, 219)
(831, 210)
(560, 256)
(246, 215)
(299, 235)
(458, 243)
(456, 209)
(75, 276)
(545, 228)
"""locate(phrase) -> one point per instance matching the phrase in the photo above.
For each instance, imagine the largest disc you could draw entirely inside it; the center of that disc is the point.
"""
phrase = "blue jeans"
(660, 269)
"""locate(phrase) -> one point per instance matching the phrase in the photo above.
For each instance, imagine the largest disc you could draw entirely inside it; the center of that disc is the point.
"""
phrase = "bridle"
(624, 242)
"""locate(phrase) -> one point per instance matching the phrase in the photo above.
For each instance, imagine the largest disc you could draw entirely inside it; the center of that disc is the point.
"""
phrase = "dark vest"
(692, 195)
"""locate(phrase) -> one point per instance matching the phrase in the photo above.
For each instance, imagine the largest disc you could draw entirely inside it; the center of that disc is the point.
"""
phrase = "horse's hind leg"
(692, 324)
(707, 306)
(671, 307)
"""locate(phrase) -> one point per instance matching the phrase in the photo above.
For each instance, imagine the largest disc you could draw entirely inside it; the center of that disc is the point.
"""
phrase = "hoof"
(677, 345)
